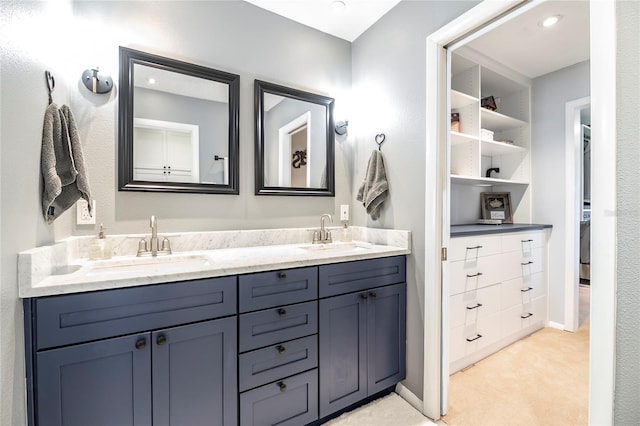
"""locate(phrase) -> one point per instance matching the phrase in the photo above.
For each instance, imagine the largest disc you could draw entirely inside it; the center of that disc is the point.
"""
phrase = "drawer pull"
(474, 275)
(282, 275)
(281, 349)
(161, 340)
(526, 315)
(475, 338)
(282, 386)
(474, 248)
(524, 290)
(282, 312)
(141, 343)
(478, 305)
(373, 294)
(527, 263)
(527, 241)
(364, 296)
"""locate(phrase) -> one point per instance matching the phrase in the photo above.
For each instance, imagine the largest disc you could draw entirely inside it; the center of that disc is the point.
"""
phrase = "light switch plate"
(344, 212)
(82, 213)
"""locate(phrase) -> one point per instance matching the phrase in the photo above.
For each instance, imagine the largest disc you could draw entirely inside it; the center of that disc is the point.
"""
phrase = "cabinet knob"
(282, 386)
(282, 275)
(373, 294)
(161, 340)
(281, 349)
(141, 343)
(364, 296)
(282, 312)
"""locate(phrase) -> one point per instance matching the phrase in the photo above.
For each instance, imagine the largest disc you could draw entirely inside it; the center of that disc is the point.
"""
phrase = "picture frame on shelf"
(496, 206)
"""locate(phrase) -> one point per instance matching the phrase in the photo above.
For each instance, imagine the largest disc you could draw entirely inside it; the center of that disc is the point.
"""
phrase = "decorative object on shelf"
(496, 205)
(486, 135)
(507, 141)
(96, 82)
(489, 103)
(489, 222)
(492, 169)
(455, 122)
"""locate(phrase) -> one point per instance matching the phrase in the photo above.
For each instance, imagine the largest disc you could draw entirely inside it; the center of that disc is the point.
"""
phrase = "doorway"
(487, 15)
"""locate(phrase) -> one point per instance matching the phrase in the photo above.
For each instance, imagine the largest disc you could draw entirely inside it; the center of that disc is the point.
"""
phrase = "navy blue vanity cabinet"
(362, 334)
(278, 345)
(151, 355)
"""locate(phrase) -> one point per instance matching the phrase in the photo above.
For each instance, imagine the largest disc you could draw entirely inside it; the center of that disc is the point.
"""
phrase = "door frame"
(603, 89)
(573, 210)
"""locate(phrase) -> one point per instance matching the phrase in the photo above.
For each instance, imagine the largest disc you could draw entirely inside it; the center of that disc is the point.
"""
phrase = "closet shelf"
(460, 100)
(492, 148)
(496, 121)
(482, 181)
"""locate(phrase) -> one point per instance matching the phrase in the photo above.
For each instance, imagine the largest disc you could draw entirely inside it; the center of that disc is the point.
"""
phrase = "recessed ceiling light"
(151, 80)
(338, 6)
(550, 21)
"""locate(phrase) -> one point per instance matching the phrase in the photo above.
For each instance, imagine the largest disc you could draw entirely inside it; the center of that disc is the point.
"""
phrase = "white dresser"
(497, 292)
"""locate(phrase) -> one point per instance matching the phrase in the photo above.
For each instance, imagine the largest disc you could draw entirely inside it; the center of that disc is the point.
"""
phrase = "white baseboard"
(555, 325)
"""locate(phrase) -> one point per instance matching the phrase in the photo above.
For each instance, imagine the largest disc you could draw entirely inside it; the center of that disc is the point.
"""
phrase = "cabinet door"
(343, 351)
(194, 374)
(105, 383)
(386, 337)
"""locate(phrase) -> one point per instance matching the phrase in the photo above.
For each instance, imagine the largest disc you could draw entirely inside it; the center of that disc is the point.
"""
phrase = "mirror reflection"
(294, 143)
(181, 132)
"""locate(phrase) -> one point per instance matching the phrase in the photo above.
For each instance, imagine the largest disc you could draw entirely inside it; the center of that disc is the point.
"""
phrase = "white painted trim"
(409, 396)
(602, 356)
(435, 386)
(555, 325)
(284, 148)
(573, 210)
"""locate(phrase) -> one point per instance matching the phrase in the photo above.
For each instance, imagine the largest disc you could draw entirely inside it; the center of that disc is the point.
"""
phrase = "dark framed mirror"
(294, 141)
(178, 126)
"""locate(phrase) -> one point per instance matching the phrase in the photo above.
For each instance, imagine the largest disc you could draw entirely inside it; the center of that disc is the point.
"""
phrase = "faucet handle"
(328, 237)
(142, 247)
(166, 245)
(316, 236)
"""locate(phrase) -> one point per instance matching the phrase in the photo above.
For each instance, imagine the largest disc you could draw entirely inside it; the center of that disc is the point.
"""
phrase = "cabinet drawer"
(289, 402)
(467, 339)
(524, 315)
(472, 274)
(523, 242)
(464, 248)
(341, 278)
(469, 307)
(276, 288)
(264, 328)
(82, 317)
(274, 362)
(520, 290)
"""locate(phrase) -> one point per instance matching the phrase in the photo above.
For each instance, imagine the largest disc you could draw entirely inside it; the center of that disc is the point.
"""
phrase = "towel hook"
(51, 84)
(380, 137)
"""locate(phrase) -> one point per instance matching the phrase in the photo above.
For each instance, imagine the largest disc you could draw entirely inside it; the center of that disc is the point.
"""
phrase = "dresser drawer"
(467, 339)
(292, 401)
(472, 274)
(274, 362)
(271, 326)
(81, 317)
(341, 278)
(469, 307)
(276, 288)
(524, 241)
(520, 290)
(465, 248)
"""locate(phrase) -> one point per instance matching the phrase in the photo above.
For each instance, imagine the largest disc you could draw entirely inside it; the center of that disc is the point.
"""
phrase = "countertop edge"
(475, 229)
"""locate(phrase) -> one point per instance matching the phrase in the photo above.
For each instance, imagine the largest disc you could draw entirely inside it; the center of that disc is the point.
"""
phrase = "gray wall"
(549, 95)
(67, 38)
(389, 73)
(627, 381)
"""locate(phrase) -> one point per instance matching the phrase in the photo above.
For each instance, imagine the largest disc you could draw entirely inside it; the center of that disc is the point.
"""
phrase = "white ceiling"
(348, 24)
(521, 44)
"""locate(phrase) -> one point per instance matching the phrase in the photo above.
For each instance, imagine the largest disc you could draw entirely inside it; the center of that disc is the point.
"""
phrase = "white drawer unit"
(498, 292)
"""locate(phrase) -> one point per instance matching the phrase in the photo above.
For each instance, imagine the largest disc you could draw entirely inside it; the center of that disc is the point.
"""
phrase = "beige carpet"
(540, 380)
(391, 410)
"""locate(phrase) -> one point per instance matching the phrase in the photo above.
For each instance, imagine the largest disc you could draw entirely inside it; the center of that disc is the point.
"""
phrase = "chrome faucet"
(323, 236)
(154, 245)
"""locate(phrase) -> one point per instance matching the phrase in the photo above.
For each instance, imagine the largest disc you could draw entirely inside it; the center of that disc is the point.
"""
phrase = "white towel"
(374, 189)
(61, 163)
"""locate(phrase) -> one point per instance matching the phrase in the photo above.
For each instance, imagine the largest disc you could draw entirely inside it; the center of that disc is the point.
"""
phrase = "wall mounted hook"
(96, 82)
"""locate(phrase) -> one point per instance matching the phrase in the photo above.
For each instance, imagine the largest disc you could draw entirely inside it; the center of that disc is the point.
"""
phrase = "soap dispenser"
(346, 236)
(100, 247)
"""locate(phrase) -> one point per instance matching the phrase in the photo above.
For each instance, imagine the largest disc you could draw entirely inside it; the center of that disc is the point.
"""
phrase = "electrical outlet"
(82, 213)
(344, 212)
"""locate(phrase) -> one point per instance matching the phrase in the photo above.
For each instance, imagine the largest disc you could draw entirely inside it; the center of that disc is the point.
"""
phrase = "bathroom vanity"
(277, 345)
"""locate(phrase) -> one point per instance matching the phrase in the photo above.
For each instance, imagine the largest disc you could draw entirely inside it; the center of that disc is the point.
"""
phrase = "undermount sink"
(336, 246)
(129, 264)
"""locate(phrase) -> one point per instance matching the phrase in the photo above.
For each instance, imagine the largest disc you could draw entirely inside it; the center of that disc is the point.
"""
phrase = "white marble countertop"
(63, 268)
